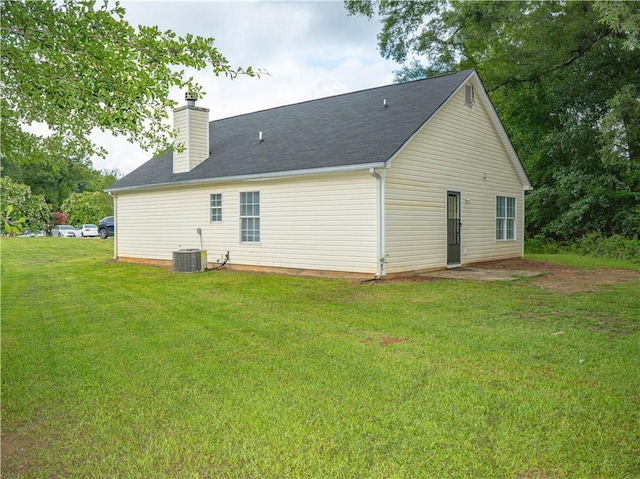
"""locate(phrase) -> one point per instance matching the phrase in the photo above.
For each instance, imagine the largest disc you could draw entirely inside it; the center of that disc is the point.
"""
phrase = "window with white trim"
(215, 206)
(250, 217)
(505, 218)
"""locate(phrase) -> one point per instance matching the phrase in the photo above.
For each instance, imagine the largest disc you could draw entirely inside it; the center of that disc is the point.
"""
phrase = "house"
(396, 179)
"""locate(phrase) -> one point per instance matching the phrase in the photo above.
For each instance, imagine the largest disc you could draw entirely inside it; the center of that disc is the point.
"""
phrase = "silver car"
(64, 231)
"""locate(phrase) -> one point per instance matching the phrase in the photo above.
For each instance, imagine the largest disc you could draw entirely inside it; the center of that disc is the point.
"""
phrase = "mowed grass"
(123, 371)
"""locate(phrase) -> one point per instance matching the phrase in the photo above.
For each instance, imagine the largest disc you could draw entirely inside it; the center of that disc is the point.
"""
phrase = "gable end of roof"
(343, 132)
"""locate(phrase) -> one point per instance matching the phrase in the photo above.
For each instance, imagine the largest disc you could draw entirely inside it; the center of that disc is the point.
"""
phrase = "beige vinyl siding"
(316, 222)
(199, 130)
(180, 159)
(450, 153)
(194, 122)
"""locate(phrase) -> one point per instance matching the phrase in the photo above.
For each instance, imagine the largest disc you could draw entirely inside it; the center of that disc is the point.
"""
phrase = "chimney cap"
(191, 98)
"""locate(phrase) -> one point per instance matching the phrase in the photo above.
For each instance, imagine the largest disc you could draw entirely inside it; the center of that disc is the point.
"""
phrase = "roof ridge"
(344, 131)
(468, 71)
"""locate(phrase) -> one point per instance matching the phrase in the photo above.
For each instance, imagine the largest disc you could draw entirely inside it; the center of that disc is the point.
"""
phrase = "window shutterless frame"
(215, 207)
(250, 217)
(505, 218)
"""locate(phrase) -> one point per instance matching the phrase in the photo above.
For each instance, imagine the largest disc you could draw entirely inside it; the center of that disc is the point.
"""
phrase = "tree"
(59, 218)
(24, 209)
(56, 178)
(564, 79)
(11, 225)
(87, 207)
(78, 67)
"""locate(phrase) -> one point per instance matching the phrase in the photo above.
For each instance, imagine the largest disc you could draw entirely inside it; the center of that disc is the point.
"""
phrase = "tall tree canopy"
(77, 66)
(24, 208)
(88, 207)
(565, 79)
(56, 178)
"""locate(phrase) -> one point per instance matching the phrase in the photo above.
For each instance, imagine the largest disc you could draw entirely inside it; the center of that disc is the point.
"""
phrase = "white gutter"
(380, 217)
(251, 177)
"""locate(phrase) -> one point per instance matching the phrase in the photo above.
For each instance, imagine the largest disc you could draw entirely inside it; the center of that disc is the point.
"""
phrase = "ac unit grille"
(188, 260)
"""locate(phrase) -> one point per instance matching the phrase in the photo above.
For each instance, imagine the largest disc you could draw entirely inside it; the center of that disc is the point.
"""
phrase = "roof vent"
(384, 102)
(260, 137)
(191, 99)
(468, 95)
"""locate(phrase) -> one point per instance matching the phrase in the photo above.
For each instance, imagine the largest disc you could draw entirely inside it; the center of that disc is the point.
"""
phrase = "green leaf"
(77, 66)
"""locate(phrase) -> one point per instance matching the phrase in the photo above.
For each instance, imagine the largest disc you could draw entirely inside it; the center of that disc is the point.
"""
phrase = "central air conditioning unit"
(189, 260)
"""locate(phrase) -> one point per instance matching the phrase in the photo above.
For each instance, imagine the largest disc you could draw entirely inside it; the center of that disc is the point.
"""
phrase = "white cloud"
(310, 49)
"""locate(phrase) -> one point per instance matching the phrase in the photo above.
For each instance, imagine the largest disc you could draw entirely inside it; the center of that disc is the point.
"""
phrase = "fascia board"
(253, 177)
(422, 127)
(495, 120)
(499, 127)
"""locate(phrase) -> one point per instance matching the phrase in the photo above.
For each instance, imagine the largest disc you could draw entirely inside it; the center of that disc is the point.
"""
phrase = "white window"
(505, 218)
(215, 205)
(250, 217)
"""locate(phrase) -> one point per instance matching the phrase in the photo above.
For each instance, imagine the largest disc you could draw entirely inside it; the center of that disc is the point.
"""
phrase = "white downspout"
(523, 205)
(524, 218)
(380, 217)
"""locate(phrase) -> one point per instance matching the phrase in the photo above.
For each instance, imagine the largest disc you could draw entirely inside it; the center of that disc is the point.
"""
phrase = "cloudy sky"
(311, 49)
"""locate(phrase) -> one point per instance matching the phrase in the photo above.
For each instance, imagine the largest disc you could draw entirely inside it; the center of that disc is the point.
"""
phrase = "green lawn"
(122, 371)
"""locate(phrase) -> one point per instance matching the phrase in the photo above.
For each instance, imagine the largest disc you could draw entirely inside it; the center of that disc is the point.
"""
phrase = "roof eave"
(493, 116)
(249, 177)
(502, 133)
(424, 124)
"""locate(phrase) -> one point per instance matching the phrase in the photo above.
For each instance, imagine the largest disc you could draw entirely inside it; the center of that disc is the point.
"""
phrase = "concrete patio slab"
(480, 274)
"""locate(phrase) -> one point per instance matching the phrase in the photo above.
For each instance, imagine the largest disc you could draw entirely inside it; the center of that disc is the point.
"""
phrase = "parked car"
(29, 233)
(87, 230)
(106, 227)
(64, 231)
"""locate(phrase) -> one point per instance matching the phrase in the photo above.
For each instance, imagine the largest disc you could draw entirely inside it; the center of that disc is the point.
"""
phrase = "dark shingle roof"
(339, 131)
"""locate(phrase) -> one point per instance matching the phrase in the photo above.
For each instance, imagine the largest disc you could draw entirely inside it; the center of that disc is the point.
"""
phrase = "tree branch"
(576, 55)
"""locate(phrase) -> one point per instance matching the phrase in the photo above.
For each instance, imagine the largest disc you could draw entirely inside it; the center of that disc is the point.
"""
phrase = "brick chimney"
(191, 127)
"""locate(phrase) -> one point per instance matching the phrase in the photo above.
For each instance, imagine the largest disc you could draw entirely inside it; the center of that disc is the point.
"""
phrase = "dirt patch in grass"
(564, 279)
(17, 452)
(550, 276)
(386, 341)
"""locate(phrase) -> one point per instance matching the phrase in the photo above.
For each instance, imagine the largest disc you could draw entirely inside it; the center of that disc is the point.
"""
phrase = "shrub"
(593, 244)
(613, 247)
(541, 245)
